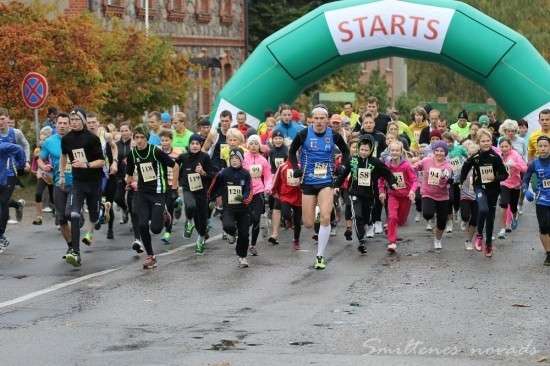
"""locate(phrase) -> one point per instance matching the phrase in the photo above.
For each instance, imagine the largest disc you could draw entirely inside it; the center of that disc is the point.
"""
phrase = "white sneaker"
(243, 263)
(468, 245)
(429, 227)
(370, 231)
(13, 222)
(47, 209)
(502, 234)
(417, 217)
(455, 216)
(463, 225)
(449, 228)
(437, 244)
(378, 227)
(520, 211)
(333, 231)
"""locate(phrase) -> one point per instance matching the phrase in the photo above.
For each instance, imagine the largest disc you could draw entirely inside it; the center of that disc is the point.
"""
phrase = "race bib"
(80, 155)
(232, 193)
(363, 177)
(195, 182)
(546, 183)
(455, 164)
(290, 180)
(256, 171)
(400, 180)
(147, 172)
(487, 174)
(320, 170)
(278, 162)
(434, 175)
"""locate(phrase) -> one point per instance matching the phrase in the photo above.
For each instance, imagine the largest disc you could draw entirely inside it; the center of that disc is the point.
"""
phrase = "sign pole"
(36, 126)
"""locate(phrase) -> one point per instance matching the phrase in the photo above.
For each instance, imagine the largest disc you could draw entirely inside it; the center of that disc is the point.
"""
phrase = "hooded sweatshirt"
(188, 178)
(541, 168)
(515, 165)
(285, 187)
(435, 178)
(405, 179)
(259, 170)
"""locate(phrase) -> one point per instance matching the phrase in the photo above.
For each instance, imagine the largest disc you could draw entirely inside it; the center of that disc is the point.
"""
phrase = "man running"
(317, 168)
(11, 157)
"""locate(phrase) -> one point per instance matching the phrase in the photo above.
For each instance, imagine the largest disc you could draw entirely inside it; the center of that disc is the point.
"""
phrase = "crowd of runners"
(366, 171)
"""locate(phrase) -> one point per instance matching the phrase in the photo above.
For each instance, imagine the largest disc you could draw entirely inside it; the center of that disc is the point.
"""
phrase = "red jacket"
(290, 194)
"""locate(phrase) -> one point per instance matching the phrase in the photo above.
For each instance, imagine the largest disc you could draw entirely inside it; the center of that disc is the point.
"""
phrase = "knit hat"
(238, 152)
(440, 145)
(80, 113)
(435, 133)
(277, 133)
(165, 117)
(483, 120)
(196, 137)
(142, 130)
(254, 138)
(463, 114)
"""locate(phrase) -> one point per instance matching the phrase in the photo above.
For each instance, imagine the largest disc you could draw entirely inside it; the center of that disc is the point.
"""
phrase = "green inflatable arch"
(350, 31)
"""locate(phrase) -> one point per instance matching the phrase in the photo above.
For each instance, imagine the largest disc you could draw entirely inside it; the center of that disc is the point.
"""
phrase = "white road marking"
(74, 281)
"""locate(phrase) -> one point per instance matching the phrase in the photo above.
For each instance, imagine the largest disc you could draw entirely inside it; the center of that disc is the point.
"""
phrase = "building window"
(140, 9)
(175, 10)
(114, 8)
(226, 12)
(202, 11)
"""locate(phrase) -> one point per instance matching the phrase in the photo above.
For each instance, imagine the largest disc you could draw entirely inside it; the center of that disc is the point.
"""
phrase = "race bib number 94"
(433, 176)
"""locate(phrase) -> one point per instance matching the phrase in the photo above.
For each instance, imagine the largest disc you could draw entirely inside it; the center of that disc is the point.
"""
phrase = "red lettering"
(361, 25)
(415, 27)
(346, 31)
(397, 21)
(378, 26)
(433, 29)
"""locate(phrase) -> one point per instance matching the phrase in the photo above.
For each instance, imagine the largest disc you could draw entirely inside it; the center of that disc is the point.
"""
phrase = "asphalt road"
(417, 308)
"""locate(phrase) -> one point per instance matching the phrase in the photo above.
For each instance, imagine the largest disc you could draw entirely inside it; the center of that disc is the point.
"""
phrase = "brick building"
(211, 32)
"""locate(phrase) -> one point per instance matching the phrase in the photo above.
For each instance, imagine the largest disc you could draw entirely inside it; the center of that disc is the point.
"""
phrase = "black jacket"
(188, 162)
(485, 161)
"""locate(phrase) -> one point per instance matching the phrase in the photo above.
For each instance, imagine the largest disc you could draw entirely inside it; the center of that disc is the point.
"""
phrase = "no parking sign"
(34, 90)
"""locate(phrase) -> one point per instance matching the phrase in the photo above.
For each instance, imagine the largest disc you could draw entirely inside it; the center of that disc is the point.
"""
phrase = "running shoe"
(110, 234)
(449, 227)
(547, 260)
(515, 222)
(348, 234)
(429, 226)
(437, 244)
(320, 263)
(19, 210)
(253, 251)
(392, 248)
(333, 231)
(178, 208)
(520, 209)
(273, 241)
(315, 237)
(502, 234)
(47, 209)
(417, 217)
(199, 245)
(88, 238)
(67, 252)
(296, 244)
(124, 218)
(362, 249)
(73, 258)
(378, 227)
(463, 226)
(37, 221)
(243, 262)
(489, 250)
(231, 239)
(166, 238)
(4, 243)
(188, 229)
(12, 222)
(167, 218)
(137, 245)
(370, 231)
(107, 207)
(478, 242)
(468, 245)
(508, 229)
(150, 262)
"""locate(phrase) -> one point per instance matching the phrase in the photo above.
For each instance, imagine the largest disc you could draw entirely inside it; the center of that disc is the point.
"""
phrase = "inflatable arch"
(349, 31)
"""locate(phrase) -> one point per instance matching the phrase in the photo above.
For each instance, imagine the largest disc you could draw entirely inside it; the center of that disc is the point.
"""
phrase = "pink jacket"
(516, 166)
(405, 176)
(435, 177)
(259, 170)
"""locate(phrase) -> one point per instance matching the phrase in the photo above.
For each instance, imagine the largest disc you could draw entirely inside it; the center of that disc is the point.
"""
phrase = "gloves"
(529, 196)
(298, 173)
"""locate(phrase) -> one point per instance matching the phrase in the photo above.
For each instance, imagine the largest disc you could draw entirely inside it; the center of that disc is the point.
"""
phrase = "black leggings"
(196, 209)
(509, 196)
(468, 212)
(376, 209)
(454, 195)
(543, 217)
(40, 187)
(440, 209)
(110, 193)
(362, 211)
(5, 195)
(132, 209)
(487, 206)
(418, 200)
(83, 191)
(256, 209)
(151, 208)
(237, 222)
(171, 197)
(293, 213)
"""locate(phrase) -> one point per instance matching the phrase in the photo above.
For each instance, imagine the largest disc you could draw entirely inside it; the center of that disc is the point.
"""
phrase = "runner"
(150, 162)
(181, 135)
(364, 171)
(286, 126)
(349, 115)
(317, 168)
(488, 172)
(153, 123)
(242, 126)
(437, 173)
(541, 168)
(166, 144)
(461, 129)
(11, 156)
(425, 134)
(457, 155)
(43, 179)
(196, 172)
(544, 122)
(215, 144)
(260, 171)
(234, 185)
(510, 129)
(380, 120)
(510, 188)
(124, 146)
(49, 160)
(278, 154)
(81, 149)
(468, 204)
(419, 119)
